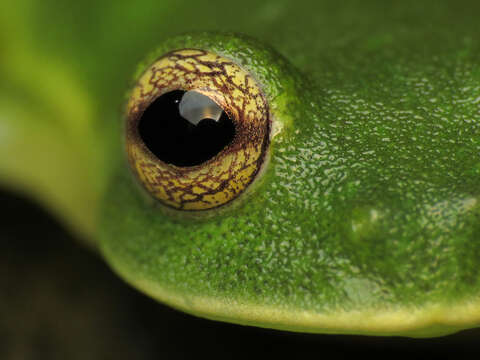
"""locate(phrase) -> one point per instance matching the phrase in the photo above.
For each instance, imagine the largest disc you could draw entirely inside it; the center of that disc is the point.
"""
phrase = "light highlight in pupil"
(196, 107)
(210, 152)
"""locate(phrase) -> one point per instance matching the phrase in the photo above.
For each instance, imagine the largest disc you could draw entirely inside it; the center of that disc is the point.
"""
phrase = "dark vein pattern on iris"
(223, 177)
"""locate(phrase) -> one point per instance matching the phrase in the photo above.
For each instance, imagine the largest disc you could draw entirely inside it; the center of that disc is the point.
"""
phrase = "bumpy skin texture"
(365, 219)
(366, 212)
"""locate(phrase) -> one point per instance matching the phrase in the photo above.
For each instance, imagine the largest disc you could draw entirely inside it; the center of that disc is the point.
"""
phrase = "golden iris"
(222, 177)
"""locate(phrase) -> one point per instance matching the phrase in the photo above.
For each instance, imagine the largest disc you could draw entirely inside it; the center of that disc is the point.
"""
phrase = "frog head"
(341, 194)
(331, 213)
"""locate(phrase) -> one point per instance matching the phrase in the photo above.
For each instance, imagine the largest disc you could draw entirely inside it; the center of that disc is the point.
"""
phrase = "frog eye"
(197, 129)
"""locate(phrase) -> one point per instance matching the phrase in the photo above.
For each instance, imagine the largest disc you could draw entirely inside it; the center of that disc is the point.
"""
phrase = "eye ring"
(224, 176)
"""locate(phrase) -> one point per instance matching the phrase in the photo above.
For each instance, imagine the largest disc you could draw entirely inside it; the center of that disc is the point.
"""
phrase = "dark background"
(61, 301)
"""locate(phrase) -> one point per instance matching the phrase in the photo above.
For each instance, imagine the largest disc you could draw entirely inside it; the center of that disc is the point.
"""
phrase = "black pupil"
(175, 140)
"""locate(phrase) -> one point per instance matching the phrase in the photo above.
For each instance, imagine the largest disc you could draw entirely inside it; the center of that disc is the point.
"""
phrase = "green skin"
(365, 218)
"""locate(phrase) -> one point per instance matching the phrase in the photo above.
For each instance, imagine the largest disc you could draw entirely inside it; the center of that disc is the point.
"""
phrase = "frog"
(347, 197)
